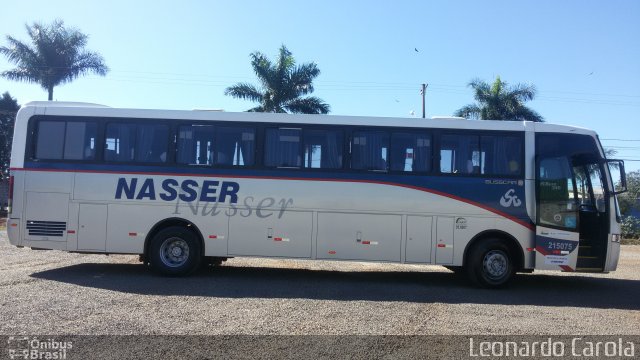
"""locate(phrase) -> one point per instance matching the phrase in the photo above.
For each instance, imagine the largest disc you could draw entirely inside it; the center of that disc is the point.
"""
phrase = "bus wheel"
(490, 264)
(174, 251)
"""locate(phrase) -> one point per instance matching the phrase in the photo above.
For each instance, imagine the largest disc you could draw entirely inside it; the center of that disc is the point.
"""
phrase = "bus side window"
(66, 140)
(410, 152)
(323, 149)
(151, 143)
(501, 155)
(195, 145)
(235, 146)
(487, 154)
(370, 150)
(50, 141)
(282, 148)
(80, 140)
(459, 154)
(120, 142)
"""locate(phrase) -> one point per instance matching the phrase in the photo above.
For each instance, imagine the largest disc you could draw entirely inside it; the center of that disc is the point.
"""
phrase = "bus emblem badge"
(509, 199)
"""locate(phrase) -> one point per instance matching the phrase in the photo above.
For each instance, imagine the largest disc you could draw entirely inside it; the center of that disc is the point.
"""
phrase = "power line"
(219, 81)
(349, 83)
(352, 87)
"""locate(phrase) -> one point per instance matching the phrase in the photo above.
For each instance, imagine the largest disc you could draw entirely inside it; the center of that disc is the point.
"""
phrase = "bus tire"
(175, 251)
(490, 264)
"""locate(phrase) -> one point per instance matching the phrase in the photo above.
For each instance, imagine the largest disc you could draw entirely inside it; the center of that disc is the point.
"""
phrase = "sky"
(582, 56)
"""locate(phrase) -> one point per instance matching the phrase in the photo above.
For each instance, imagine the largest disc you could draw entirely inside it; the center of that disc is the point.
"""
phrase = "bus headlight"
(615, 237)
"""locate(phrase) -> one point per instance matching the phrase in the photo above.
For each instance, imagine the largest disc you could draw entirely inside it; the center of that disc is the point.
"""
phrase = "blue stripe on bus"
(485, 192)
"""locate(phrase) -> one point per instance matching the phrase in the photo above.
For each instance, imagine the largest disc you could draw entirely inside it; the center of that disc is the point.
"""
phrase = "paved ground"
(51, 292)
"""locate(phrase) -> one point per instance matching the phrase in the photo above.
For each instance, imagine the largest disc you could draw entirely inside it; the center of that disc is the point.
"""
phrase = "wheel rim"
(174, 252)
(496, 264)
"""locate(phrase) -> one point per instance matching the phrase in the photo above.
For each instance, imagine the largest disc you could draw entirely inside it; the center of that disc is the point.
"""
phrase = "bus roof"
(89, 109)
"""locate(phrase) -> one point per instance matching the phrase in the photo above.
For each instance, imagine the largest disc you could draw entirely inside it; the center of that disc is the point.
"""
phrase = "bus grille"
(46, 228)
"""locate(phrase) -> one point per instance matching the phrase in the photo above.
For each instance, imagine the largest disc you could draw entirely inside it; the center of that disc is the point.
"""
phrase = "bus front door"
(557, 220)
(593, 216)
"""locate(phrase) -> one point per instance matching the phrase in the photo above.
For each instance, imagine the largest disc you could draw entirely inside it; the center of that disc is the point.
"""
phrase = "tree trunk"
(50, 89)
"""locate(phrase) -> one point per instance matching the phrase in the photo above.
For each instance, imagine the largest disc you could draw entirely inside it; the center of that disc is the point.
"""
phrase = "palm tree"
(55, 56)
(500, 102)
(284, 86)
(8, 109)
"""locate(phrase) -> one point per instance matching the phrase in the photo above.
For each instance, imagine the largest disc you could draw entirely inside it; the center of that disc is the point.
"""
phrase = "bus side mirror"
(618, 165)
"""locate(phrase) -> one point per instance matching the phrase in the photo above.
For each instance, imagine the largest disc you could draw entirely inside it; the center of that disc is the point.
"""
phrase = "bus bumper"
(13, 230)
(613, 255)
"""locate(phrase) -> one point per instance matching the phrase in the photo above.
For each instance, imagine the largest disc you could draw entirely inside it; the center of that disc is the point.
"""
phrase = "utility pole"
(423, 92)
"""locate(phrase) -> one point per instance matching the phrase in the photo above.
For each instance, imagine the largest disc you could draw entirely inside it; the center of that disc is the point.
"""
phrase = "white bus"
(185, 188)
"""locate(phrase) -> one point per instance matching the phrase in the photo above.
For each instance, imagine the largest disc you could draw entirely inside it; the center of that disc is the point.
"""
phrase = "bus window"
(597, 184)
(50, 141)
(282, 148)
(460, 154)
(152, 143)
(147, 143)
(68, 140)
(195, 145)
(500, 155)
(369, 150)
(556, 196)
(120, 142)
(80, 141)
(235, 146)
(590, 186)
(410, 152)
(323, 149)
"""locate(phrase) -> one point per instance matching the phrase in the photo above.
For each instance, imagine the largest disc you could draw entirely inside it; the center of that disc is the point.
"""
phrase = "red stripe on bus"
(133, 234)
(542, 251)
(442, 245)
(71, 231)
(213, 236)
(377, 182)
(366, 242)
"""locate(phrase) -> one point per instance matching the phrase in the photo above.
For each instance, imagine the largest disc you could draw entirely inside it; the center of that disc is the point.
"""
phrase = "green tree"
(630, 198)
(500, 101)
(283, 86)
(8, 109)
(55, 56)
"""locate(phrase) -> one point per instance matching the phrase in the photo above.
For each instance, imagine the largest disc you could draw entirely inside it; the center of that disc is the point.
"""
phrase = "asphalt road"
(52, 292)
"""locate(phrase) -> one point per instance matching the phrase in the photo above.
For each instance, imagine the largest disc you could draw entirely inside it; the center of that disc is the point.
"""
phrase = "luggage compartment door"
(92, 227)
(289, 236)
(359, 236)
(418, 249)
